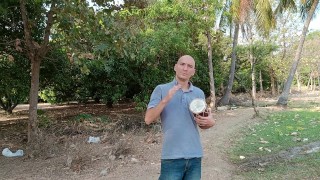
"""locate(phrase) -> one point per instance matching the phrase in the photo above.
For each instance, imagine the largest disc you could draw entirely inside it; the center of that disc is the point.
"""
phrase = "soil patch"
(128, 150)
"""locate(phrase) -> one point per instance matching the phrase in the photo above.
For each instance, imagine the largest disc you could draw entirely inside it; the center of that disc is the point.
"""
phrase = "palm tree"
(265, 22)
(308, 8)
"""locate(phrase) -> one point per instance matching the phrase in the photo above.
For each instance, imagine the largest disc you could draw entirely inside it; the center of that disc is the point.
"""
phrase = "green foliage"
(44, 120)
(15, 73)
(48, 95)
(173, 29)
(58, 78)
(82, 117)
(107, 56)
(103, 81)
(14, 81)
(261, 53)
(11, 26)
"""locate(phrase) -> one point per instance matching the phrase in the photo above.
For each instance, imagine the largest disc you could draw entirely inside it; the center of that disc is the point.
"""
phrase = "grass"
(304, 104)
(280, 131)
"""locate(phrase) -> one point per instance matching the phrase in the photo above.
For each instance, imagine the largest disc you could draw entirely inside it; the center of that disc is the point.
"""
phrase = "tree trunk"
(260, 80)
(253, 78)
(221, 89)
(273, 82)
(283, 99)
(212, 88)
(313, 84)
(279, 85)
(298, 81)
(318, 74)
(309, 80)
(226, 97)
(33, 131)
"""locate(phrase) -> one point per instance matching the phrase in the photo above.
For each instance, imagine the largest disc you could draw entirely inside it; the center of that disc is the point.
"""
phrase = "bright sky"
(315, 23)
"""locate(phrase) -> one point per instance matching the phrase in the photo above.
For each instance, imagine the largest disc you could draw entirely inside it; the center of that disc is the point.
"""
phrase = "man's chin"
(184, 78)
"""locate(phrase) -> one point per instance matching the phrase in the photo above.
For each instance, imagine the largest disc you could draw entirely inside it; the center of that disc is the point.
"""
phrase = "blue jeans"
(180, 169)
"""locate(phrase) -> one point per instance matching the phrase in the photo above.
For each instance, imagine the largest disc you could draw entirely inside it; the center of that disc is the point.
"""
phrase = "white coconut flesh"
(197, 106)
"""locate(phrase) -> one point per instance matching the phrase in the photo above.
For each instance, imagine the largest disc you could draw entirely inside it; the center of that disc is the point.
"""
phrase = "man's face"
(185, 68)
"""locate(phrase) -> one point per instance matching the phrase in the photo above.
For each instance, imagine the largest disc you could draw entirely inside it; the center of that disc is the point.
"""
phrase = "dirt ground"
(128, 156)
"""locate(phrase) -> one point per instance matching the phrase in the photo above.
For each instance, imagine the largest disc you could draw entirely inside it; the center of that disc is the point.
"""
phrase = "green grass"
(300, 168)
(304, 104)
(280, 131)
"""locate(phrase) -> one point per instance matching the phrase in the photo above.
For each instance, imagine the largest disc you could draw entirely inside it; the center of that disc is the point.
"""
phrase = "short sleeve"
(155, 98)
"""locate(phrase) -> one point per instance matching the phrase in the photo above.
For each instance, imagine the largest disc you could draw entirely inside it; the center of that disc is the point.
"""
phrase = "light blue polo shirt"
(181, 137)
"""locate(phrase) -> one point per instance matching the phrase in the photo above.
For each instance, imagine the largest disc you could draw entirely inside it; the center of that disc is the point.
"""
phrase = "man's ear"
(174, 68)
(194, 72)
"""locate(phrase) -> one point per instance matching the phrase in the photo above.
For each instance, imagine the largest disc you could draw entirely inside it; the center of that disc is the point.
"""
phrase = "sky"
(315, 23)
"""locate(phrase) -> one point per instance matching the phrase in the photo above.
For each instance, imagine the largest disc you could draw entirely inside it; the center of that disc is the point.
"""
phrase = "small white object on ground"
(7, 153)
(94, 139)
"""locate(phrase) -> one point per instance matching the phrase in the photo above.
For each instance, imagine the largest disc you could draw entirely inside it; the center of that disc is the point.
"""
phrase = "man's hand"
(171, 92)
(153, 114)
(205, 122)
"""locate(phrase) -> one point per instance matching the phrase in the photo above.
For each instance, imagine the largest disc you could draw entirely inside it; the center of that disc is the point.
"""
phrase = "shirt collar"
(191, 87)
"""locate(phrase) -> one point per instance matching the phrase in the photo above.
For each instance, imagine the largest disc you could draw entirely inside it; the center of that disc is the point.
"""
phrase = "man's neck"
(184, 84)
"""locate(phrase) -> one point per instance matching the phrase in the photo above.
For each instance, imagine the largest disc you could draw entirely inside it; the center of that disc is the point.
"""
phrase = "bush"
(14, 81)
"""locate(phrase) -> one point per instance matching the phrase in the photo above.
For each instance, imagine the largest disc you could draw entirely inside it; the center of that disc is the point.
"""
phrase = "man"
(181, 148)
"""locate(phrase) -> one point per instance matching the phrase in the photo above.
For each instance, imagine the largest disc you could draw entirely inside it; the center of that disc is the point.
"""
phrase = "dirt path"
(144, 162)
(215, 141)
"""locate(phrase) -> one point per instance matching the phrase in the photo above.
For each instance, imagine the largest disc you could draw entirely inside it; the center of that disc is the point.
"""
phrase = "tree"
(284, 36)
(209, 23)
(308, 8)
(265, 22)
(36, 48)
(35, 53)
(14, 86)
(175, 28)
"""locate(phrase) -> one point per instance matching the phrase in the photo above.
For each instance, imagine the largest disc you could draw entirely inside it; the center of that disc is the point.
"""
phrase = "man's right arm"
(153, 114)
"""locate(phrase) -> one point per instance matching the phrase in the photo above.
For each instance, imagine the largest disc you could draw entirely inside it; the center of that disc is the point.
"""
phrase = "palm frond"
(240, 9)
(286, 4)
(265, 17)
(305, 8)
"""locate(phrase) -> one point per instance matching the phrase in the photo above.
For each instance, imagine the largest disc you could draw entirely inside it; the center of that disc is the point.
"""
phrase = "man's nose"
(185, 67)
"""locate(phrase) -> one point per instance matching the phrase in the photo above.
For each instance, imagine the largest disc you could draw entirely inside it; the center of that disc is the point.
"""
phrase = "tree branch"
(26, 29)
(47, 32)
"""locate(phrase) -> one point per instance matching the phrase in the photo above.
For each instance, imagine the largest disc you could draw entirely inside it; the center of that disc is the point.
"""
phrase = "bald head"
(185, 68)
(187, 58)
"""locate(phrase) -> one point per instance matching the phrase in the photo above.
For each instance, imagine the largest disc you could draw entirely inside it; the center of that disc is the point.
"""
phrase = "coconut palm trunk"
(283, 99)
(226, 97)
(260, 81)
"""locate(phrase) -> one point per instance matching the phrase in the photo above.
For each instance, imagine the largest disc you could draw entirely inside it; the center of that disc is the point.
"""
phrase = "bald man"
(181, 149)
